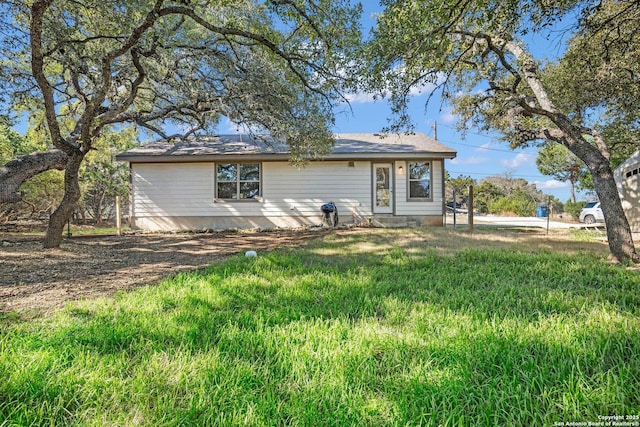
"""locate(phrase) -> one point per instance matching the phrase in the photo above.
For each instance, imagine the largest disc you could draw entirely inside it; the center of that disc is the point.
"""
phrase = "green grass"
(386, 328)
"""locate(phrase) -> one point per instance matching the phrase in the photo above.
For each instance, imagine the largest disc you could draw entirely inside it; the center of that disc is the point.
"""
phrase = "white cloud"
(227, 126)
(469, 161)
(519, 160)
(422, 89)
(447, 116)
(427, 87)
(551, 184)
(484, 147)
(414, 91)
(360, 98)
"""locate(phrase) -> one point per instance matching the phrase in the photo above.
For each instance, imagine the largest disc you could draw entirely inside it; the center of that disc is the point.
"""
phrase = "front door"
(383, 188)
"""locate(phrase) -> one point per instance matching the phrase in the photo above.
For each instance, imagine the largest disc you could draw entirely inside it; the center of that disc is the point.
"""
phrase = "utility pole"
(435, 130)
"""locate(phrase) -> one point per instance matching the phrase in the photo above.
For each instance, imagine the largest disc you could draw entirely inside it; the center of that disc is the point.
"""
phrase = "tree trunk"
(572, 191)
(595, 156)
(99, 210)
(17, 171)
(62, 214)
(618, 230)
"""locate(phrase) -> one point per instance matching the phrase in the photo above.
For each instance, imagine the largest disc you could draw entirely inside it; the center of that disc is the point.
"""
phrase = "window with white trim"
(419, 178)
(237, 181)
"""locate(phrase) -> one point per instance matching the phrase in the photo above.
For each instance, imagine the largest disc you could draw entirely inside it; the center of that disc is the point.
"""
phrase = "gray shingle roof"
(348, 146)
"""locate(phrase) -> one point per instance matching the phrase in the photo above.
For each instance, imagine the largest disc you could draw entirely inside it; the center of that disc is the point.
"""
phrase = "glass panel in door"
(382, 197)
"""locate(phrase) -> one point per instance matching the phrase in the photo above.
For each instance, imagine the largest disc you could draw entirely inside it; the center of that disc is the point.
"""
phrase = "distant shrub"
(574, 208)
(519, 203)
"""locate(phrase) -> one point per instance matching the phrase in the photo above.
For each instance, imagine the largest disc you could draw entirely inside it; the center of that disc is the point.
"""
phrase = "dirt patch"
(38, 280)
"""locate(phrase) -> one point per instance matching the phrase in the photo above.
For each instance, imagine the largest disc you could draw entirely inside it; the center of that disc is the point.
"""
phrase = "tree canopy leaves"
(176, 68)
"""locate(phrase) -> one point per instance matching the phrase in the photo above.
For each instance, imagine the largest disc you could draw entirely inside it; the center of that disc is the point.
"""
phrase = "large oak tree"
(472, 51)
(173, 68)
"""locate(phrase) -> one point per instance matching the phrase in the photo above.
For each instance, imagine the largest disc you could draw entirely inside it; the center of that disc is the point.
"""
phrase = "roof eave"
(159, 158)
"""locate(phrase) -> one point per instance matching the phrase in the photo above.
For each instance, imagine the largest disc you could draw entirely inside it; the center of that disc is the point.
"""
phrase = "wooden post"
(118, 217)
(470, 208)
(548, 213)
(454, 209)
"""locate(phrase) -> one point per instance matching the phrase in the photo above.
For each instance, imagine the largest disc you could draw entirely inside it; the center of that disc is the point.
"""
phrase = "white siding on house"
(178, 189)
(187, 189)
(301, 192)
(182, 195)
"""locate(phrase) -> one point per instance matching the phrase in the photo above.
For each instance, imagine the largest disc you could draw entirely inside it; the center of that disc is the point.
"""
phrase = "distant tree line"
(500, 195)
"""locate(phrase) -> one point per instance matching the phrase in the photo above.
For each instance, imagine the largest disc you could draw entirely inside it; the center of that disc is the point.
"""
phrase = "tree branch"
(90, 111)
(17, 171)
(262, 40)
(38, 10)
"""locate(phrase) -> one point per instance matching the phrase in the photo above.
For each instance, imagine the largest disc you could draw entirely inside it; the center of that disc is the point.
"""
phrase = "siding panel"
(172, 189)
(187, 189)
(292, 191)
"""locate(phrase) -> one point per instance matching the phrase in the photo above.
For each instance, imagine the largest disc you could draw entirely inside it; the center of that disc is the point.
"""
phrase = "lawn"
(385, 327)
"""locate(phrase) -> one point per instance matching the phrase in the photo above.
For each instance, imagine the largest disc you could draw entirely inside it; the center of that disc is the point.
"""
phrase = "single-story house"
(627, 177)
(236, 181)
